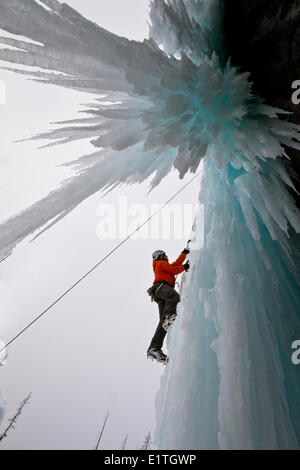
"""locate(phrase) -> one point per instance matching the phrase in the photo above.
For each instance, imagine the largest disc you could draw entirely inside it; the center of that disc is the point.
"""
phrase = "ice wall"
(230, 383)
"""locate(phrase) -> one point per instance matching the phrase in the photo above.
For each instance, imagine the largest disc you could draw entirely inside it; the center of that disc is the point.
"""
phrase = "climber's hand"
(186, 266)
(186, 251)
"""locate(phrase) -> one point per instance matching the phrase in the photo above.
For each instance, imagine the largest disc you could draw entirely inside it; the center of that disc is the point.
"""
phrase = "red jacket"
(166, 272)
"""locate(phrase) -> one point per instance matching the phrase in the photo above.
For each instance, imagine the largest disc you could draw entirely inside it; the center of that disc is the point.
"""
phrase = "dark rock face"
(263, 38)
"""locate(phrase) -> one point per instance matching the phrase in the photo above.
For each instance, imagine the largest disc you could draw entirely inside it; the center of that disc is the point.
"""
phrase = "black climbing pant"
(167, 299)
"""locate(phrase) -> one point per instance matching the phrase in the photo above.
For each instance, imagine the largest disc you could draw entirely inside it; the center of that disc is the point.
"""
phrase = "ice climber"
(163, 292)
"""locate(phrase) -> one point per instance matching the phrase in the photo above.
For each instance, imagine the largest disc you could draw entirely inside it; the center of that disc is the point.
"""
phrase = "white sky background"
(88, 354)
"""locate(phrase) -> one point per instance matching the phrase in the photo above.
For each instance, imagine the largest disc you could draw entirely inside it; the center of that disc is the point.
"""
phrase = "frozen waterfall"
(177, 100)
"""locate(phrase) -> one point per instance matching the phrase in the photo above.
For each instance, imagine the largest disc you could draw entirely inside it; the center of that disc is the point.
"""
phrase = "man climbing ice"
(162, 291)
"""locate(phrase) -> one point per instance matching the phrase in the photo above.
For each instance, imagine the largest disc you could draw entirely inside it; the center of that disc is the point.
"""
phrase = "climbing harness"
(153, 290)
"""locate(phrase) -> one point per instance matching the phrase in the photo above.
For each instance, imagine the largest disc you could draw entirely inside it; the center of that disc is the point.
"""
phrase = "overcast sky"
(88, 354)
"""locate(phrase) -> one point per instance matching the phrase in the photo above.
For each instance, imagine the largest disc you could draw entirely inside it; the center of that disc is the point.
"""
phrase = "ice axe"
(187, 248)
(187, 245)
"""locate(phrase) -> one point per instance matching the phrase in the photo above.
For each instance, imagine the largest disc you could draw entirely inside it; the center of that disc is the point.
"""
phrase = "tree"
(13, 420)
(124, 442)
(147, 442)
(101, 433)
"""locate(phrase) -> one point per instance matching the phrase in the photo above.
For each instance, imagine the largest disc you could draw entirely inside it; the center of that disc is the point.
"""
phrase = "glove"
(186, 266)
(186, 251)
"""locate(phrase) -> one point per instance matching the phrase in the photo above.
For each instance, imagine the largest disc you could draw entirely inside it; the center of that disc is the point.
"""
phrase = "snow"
(178, 102)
